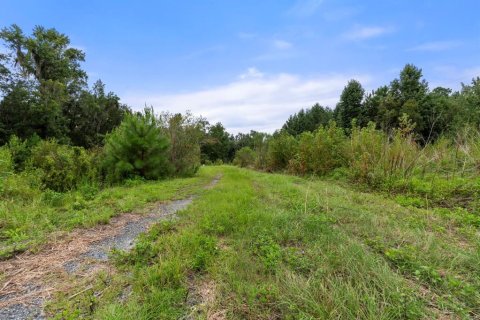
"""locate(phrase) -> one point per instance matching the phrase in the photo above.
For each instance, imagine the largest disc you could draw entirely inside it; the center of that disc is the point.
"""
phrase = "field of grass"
(30, 216)
(272, 246)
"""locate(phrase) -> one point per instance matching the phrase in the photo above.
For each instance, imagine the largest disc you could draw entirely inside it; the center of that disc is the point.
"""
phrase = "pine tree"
(137, 148)
(350, 105)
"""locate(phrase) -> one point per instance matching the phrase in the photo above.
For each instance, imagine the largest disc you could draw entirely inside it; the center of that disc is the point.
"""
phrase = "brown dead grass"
(30, 276)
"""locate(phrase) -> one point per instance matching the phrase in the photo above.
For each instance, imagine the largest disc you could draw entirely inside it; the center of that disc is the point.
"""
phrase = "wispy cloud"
(436, 46)
(451, 76)
(340, 13)
(366, 32)
(251, 73)
(282, 44)
(253, 101)
(304, 8)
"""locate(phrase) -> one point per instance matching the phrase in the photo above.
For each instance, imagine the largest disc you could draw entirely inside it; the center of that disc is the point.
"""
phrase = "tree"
(46, 55)
(137, 148)
(307, 120)
(185, 133)
(245, 157)
(45, 91)
(406, 95)
(469, 97)
(92, 115)
(350, 105)
(371, 105)
(218, 144)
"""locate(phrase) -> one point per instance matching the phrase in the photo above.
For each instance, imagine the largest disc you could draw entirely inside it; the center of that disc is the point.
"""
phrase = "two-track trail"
(29, 280)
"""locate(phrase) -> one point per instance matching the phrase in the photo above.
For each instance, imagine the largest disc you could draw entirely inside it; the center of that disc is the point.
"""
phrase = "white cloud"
(253, 101)
(305, 8)
(282, 44)
(366, 32)
(251, 73)
(436, 46)
(452, 76)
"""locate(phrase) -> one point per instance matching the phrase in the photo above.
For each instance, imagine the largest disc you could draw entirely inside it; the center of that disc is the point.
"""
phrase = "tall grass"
(446, 171)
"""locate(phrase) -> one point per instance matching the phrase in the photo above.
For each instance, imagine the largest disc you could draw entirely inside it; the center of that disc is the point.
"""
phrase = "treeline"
(432, 113)
(401, 138)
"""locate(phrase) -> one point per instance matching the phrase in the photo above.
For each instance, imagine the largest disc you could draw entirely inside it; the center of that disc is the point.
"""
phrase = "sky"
(250, 64)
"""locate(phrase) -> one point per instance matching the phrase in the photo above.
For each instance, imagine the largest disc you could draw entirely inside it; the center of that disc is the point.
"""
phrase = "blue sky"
(250, 64)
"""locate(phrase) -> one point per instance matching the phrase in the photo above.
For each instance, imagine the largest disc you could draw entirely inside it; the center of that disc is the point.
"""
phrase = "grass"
(271, 246)
(28, 222)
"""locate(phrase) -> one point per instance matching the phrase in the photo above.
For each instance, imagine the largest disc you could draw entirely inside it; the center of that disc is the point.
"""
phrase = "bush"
(62, 167)
(137, 148)
(282, 148)
(21, 150)
(320, 152)
(375, 158)
(185, 133)
(245, 157)
(6, 162)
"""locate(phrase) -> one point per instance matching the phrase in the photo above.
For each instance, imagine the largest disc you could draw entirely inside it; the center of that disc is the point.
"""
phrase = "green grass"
(281, 247)
(29, 221)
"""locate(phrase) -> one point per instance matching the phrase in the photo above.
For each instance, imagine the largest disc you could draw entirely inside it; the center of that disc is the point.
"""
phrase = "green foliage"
(218, 144)
(307, 120)
(45, 91)
(350, 105)
(21, 150)
(93, 114)
(138, 147)
(282, 147)
(6, 162)
(245, 157)
(185, 133)
(62, 167)
(319, 152)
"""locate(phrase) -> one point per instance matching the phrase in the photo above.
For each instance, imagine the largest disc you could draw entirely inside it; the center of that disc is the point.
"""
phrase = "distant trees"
(45, 91)
(218, 144)
(307, 120)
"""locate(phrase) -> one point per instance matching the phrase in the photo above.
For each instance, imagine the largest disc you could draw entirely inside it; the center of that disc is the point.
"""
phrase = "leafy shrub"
(319, 152)
(375, 158)
(245, 157)
(63, 167)
(185, 133)
(21, 150)
(137, 148)
(281, 149)
(6, 162)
